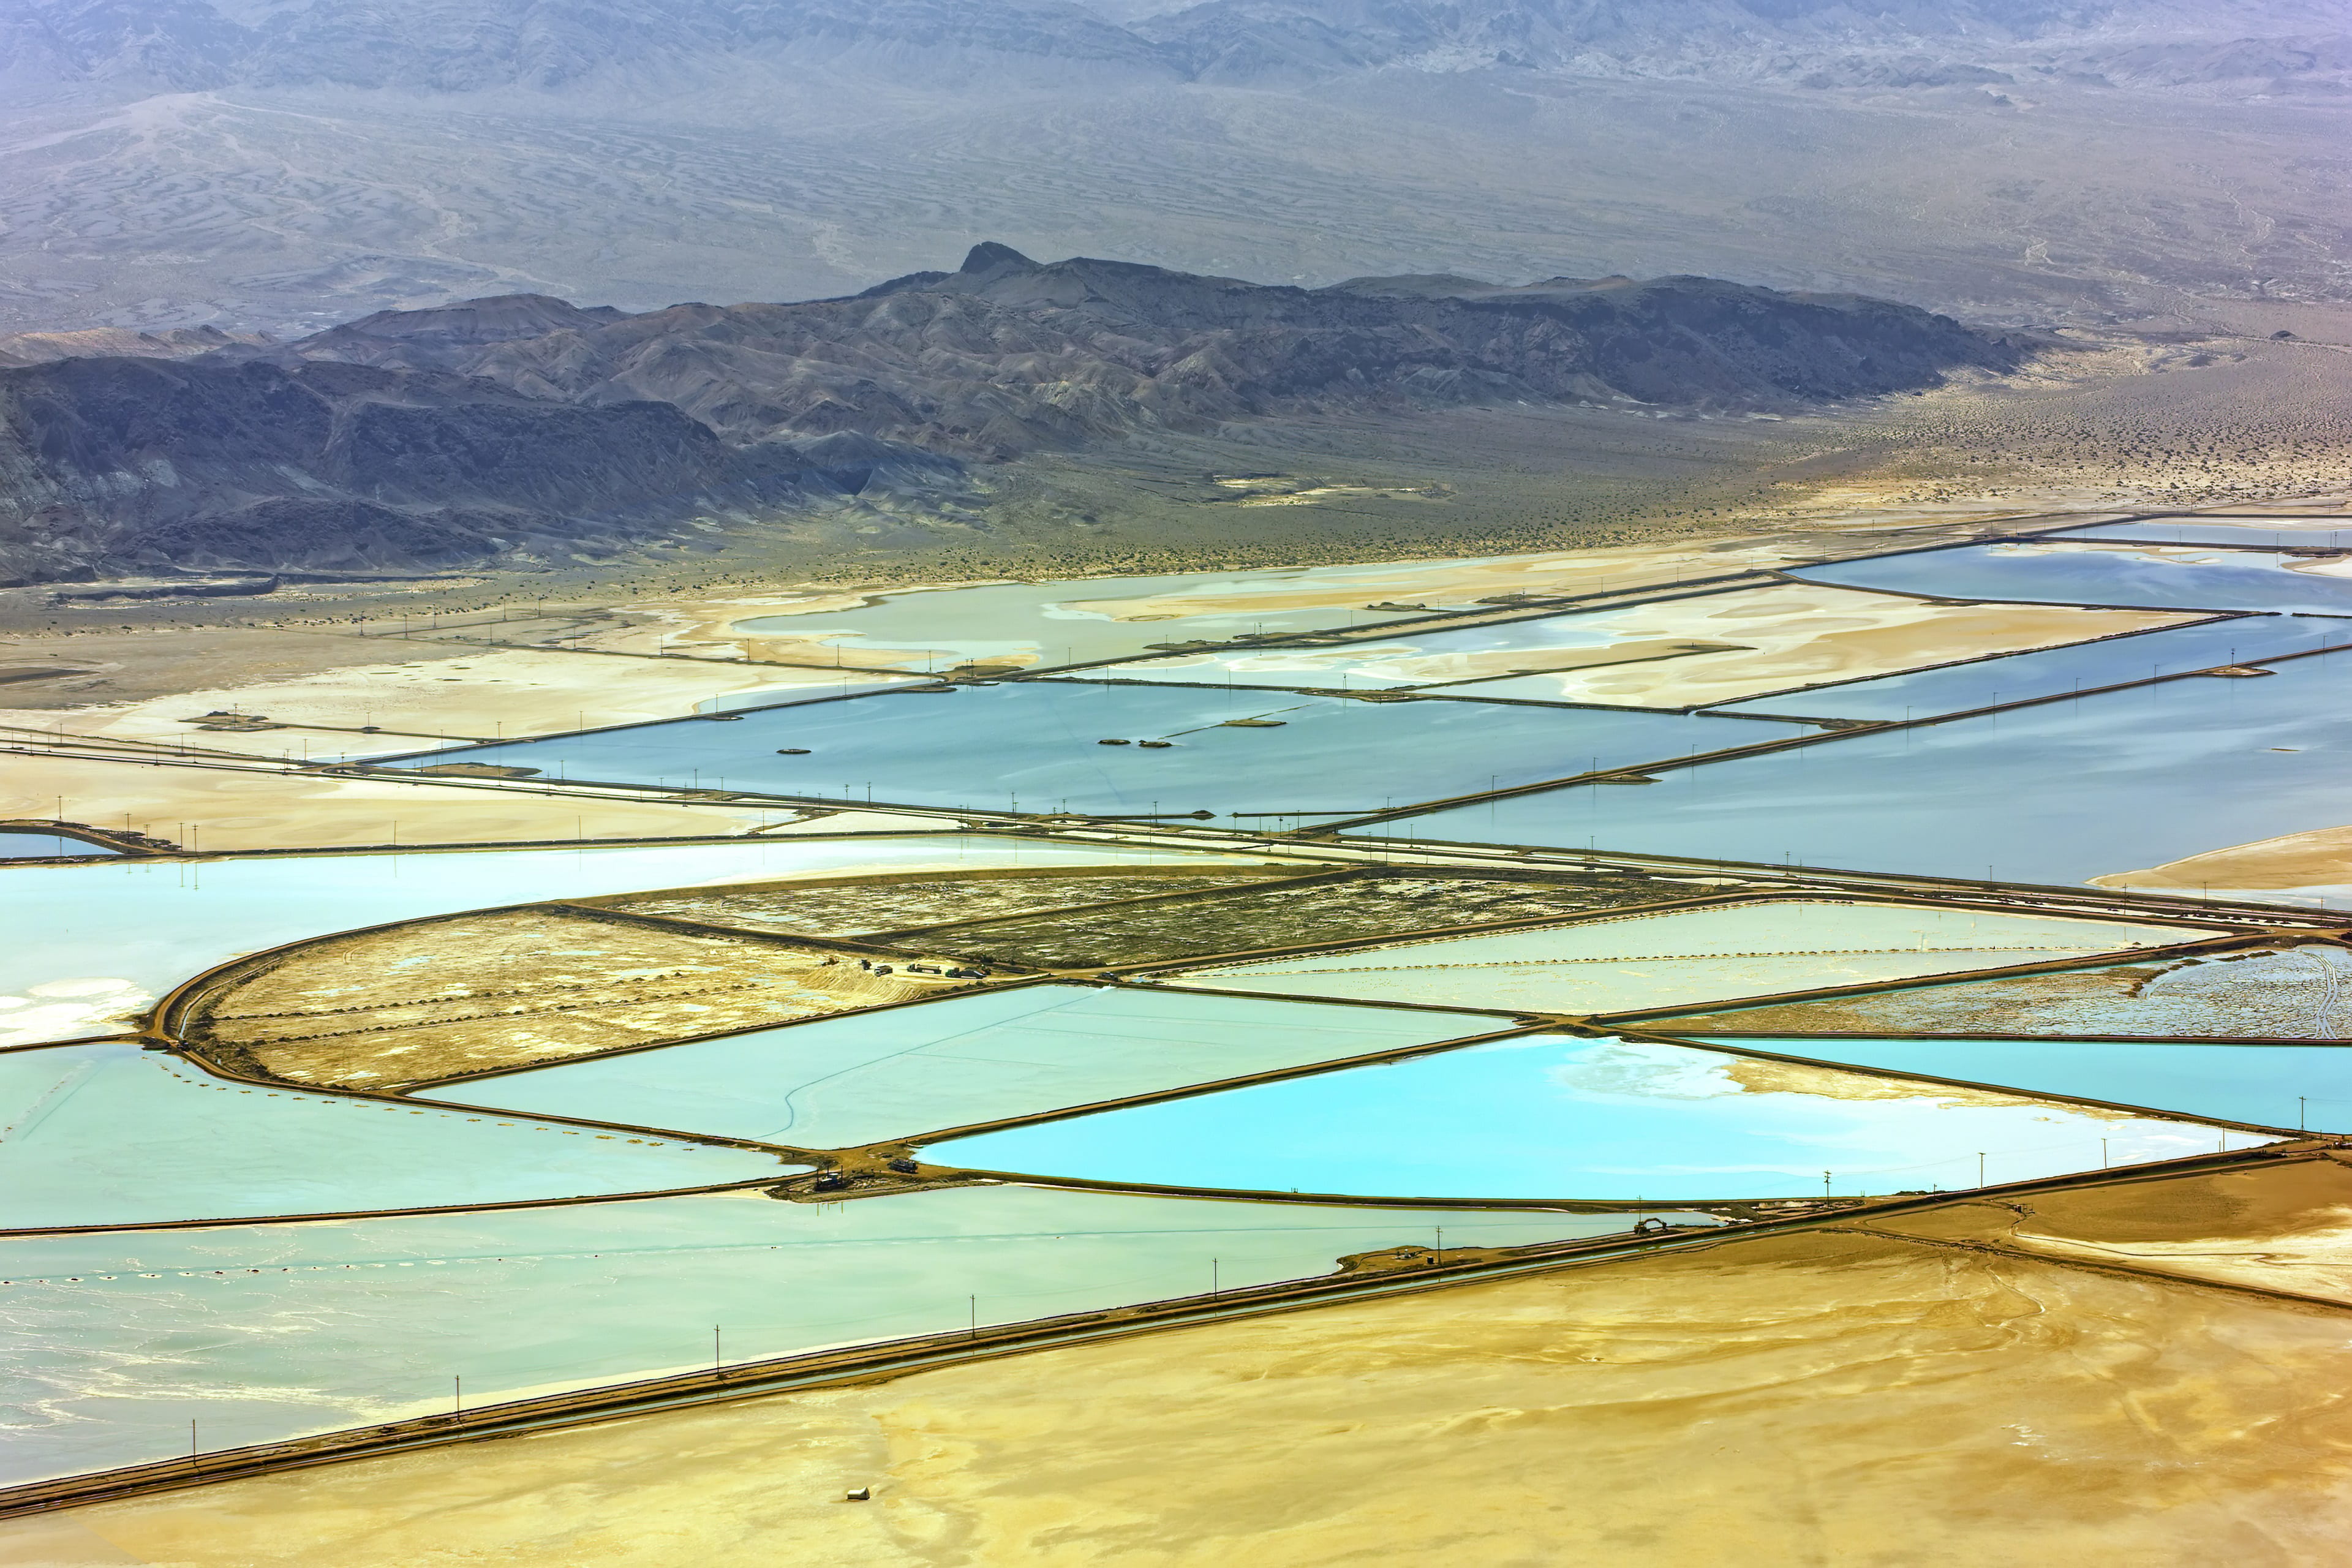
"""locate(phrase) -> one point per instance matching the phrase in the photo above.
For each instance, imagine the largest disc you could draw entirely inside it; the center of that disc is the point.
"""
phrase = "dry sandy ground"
(2319, 858)
(209, 809)
(1802, 636)
(1840, 1400)
(489, 695)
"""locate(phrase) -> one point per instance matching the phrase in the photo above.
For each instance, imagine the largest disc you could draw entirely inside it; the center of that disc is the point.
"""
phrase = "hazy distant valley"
(285, 166)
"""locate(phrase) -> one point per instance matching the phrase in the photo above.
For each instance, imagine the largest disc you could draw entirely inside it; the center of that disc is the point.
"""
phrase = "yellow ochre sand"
(2282, 1229)
(2318, 857)
(1823, 1399)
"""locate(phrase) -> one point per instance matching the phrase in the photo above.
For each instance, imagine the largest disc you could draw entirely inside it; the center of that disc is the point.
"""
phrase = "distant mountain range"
(463, 46)
(283, 164)
(527, 429)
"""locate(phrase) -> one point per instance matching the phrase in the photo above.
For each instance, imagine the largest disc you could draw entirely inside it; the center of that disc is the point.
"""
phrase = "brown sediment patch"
(1788, 1077)
(2319, 858)
(1258, 919)
(1815, 1398)
(820, 649)
(1802, 635)
(217, 809)
(849, 906)
(434, 998)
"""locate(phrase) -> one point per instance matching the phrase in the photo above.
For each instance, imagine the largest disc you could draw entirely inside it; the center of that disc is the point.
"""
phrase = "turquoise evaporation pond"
(2056, 794)
(110, 1134)
(2046, 672)
(260, 1333)
(837, 1083)
(1545, 1116)
(2103, 575)
(1038, 742)
(83, 946)
(16, 845)
(1040, 622)
(2285, 533)
(1378, 666)
(2236, 1083)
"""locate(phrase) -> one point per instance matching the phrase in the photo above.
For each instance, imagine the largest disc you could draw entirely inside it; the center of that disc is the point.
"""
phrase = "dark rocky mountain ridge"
(525, 428)
(1007, 355)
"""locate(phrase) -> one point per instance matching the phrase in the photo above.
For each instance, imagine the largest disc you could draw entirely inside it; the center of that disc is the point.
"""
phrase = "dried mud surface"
(415, 701)
(2283, 1226)
(2318, 858)
(2291, 993)
(1800, 634)
(434, 998)
(901, 903)
(1863, 1400)
(234, 807)
(1286, 917)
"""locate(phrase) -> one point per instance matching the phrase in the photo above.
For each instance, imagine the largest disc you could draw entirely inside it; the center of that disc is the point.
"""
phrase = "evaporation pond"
(2055, 794)
(2271, 1086)
(956, 1062)
(264, 1333)
(1411, 656)
(2281, 533)
(1620, 964)
(110, 1134)
(2285, 994)
(16, 844)
(1112, 617)
(2153, 574)
(1982, 683)
(1544, 1117)
(1039, 743)
(83, 946)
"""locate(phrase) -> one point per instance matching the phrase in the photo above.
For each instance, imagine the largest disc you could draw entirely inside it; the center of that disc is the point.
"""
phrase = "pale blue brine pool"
(16, 844)
(2060, 571)
(111, 1134)
(2282, 1086)
(84, 949)
(1548, 1117)
(1113, 618)
(259, 1333)
(2281, 533)
(2048, 672)
(1037, 747)
(2056, 794)
(836, 1082)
